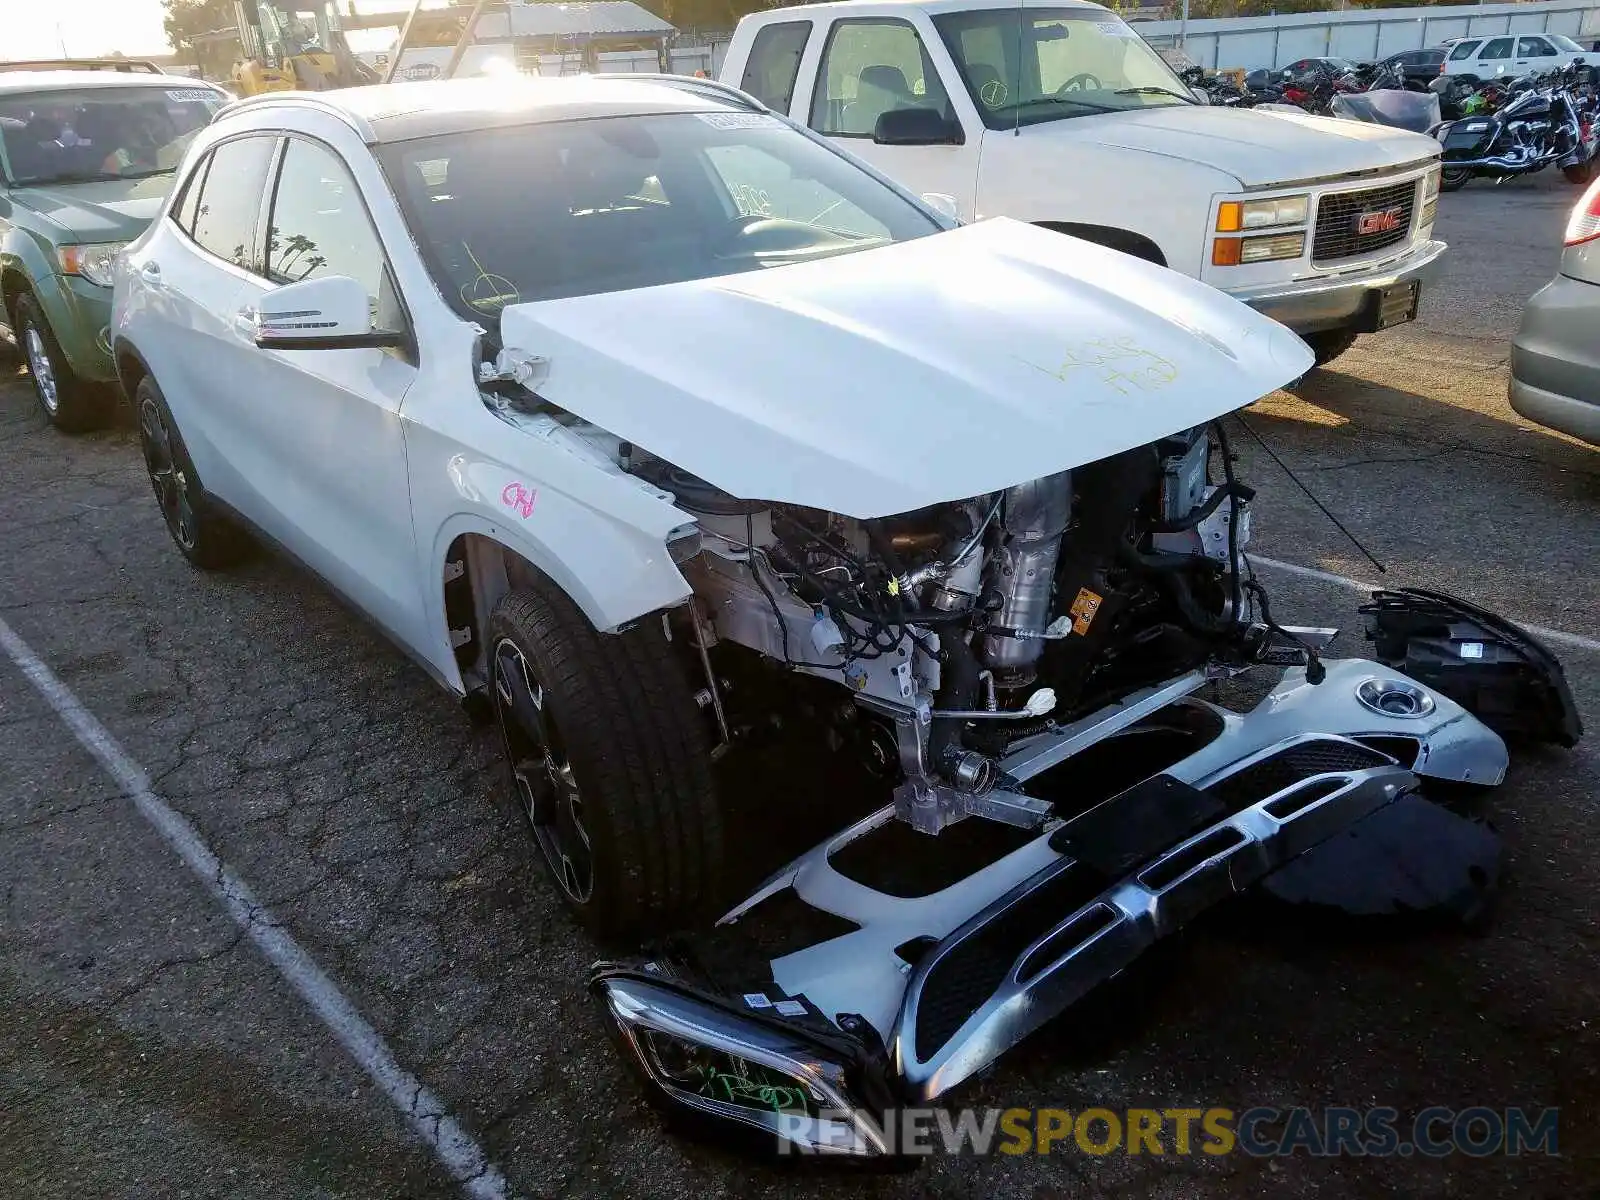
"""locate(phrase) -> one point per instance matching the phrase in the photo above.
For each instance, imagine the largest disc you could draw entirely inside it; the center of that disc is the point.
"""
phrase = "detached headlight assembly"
(1237, 216)
(95, 263)
(714, 1071)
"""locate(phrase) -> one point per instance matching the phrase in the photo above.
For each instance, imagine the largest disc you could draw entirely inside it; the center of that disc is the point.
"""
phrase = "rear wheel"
(1454, 178)
(1580, 172)
(206, 538)
(68, 403)
(610, 763)
(1329, 344)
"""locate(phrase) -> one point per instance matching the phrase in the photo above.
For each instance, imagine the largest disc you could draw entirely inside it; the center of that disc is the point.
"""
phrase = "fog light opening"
(1395, 698)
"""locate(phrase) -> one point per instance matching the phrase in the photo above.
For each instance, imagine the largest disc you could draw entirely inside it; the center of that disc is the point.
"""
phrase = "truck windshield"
(1028, 65)
(79, 135)
(571, 208)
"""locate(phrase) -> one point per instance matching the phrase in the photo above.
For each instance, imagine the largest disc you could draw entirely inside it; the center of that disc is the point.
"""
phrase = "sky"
(37, 28)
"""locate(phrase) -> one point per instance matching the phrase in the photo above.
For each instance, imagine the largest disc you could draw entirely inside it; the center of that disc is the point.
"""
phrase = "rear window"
(1463, 50)
(1429, 58)
(774, 63)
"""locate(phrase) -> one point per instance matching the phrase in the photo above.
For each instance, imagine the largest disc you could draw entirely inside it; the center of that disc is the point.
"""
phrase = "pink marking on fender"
(519, 498)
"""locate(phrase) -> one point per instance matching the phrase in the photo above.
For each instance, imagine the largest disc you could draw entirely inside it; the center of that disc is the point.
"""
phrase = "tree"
(187, 18)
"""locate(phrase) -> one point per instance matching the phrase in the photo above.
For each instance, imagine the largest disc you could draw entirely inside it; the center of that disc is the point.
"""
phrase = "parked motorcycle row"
(1496, 130)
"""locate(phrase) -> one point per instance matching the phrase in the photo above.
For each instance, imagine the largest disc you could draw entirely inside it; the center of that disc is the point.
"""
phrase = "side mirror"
(328, 313)
(943, 204)
(916, 127)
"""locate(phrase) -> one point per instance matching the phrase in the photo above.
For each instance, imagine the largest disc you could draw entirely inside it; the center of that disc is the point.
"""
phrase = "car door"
(873, 65)
(316, 434)
(1495, 58)
(192, 274)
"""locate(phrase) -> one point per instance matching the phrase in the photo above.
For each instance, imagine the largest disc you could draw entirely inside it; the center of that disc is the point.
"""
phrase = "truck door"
(872, 66)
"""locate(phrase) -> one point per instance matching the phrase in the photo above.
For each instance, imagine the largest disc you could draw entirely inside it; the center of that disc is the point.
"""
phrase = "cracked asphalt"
(149, 1050)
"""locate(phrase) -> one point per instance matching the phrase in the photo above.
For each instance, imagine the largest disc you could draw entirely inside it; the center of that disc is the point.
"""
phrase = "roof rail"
(128, 66)
(295, 99)
(710, 88)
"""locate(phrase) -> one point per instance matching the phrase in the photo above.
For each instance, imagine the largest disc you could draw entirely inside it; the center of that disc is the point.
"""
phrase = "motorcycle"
(1545, 120)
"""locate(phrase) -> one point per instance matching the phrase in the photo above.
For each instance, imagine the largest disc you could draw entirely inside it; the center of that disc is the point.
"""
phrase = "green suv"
(86, 158)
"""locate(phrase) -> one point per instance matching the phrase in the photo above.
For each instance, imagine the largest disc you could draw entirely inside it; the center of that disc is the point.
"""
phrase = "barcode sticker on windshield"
(1115, 29)
(719, 120)
(192, 96)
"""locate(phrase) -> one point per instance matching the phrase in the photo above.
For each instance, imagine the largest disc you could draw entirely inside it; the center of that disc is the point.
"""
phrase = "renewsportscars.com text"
(1437, 1132)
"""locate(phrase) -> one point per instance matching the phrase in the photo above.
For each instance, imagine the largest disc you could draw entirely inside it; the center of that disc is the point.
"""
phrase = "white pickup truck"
(1059, 114)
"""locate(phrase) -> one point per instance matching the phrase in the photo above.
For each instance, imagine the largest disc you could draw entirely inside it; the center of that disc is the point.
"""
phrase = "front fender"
(22, 253)
(1165, 201)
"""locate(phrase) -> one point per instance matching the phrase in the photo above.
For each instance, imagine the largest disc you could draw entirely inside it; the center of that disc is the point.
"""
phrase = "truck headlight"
(94, 263)
(1233, 252)
(1430, 183)
(1234, 216)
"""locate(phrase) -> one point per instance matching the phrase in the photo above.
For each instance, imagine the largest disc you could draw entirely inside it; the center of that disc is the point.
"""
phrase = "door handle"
(151, 272)
(247, 323)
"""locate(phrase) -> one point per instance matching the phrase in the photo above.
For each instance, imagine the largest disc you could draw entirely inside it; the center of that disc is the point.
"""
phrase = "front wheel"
(610, 764)
(206, 537)
(68, 403)
(1454, 178)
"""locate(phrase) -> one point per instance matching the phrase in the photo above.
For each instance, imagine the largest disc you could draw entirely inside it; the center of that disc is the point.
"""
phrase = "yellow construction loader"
(288, 45)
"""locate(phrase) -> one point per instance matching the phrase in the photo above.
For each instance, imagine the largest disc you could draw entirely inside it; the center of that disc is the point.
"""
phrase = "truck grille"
(1354, 224)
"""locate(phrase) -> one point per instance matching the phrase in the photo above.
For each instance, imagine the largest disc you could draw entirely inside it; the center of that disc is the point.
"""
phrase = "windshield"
(101, 133)
(570, 208)
(1043, 64)
(1565, 43)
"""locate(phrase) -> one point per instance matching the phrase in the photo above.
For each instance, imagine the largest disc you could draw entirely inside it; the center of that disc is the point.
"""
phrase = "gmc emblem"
(1384, 221)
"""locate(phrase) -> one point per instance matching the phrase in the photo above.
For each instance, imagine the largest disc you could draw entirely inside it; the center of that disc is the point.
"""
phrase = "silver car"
(1555, 357)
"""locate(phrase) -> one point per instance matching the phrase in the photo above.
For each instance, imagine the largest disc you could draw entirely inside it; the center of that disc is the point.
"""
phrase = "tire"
(609, 763)
(1329, 344)
(1580, 173)
(204, 536)
(1455, 180)
(66, 401)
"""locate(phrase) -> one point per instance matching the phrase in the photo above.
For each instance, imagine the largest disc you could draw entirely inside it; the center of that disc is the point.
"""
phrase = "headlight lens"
(1236, 215)
(94, 263)
(1430, 184)
(1233, 252)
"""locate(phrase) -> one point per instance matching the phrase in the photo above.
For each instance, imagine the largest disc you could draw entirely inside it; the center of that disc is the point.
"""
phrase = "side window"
(230, 200)
(870, 68)
(1464, 50)
(1534, 47)
(1497, 48)
(319, 226)
(774, 63)
(183, 211)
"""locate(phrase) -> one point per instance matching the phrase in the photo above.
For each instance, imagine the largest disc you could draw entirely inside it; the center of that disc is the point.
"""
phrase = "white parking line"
(456, 1149)
(1543, 632)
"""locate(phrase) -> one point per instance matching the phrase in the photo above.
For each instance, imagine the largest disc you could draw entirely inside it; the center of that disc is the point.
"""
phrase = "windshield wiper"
(1152, 90)
(1086, 104)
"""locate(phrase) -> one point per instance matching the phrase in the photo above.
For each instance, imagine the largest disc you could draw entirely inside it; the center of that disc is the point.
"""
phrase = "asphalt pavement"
(150, 1048)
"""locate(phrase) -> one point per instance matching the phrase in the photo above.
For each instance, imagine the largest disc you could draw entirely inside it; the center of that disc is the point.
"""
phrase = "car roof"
(15, 82)
(395, 112)
(841, 7)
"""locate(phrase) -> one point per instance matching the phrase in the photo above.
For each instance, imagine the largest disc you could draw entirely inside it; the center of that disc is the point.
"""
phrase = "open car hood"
(886, 380)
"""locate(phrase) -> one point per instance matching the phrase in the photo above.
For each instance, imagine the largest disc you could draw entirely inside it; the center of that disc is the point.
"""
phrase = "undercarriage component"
(1500, 673)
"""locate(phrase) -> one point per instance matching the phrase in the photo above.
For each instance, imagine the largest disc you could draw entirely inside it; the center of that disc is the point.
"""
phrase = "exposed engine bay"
(967, 628)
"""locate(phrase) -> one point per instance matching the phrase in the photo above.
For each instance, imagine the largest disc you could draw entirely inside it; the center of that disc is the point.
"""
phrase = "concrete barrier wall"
(1248, 42)
(1363, 34)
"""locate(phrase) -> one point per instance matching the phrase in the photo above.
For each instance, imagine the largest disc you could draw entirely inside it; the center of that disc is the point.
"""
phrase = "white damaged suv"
(643, 418)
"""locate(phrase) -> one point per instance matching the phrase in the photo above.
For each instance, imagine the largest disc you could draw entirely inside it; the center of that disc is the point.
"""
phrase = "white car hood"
(886, 380)
(1258, 148)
